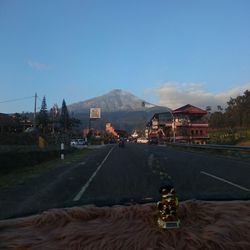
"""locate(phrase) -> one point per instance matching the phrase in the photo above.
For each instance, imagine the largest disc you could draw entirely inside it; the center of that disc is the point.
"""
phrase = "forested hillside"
(232, 125)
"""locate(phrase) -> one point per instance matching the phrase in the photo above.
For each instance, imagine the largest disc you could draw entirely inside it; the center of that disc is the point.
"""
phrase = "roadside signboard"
(95, 113)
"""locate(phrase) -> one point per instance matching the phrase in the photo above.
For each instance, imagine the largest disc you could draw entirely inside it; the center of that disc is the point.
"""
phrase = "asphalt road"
(111, 175)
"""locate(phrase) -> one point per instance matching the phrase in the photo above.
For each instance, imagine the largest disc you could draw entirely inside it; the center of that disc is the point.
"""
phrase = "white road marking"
(226, 181)
(150, 160)
(148, 198)
(84, 188)
(81, 163)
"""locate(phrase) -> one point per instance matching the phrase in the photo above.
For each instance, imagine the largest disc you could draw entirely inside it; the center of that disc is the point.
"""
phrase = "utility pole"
(34, 122)
(173, 124)
(174, 128)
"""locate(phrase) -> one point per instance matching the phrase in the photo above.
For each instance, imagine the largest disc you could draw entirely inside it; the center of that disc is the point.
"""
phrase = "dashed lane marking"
(81, 163)
(150, 160)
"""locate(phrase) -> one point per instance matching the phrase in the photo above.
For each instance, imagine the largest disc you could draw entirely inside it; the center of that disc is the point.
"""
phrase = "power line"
(17, 99)
(39, 98)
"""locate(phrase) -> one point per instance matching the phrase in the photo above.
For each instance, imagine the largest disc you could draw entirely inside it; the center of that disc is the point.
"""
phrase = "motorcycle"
(121, 144)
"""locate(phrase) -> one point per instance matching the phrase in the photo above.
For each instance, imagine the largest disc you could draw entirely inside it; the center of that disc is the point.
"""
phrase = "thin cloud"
(38, 65)
(174, 95)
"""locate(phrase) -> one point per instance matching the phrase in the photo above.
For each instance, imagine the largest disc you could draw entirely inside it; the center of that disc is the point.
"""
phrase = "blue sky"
(169, 52)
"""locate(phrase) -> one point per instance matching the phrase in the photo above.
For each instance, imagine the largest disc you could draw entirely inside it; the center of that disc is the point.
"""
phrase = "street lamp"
(173, 124)
(174, 136)
(173, 127)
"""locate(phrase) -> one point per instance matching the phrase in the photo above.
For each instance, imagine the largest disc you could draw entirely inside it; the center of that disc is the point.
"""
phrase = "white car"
(142, 140)
(78, 142)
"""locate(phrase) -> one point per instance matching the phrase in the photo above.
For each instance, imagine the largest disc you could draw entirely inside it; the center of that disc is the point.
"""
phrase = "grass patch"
(19, 176)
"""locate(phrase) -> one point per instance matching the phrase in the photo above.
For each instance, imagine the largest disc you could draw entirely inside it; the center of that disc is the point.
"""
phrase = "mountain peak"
(115, 100)
(119, 92)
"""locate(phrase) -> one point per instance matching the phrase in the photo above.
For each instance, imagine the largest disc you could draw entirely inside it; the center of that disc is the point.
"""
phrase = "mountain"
(123, 109)
(113, 101)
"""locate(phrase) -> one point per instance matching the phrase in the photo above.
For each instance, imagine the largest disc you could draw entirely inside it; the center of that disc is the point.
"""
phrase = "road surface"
(111, 175)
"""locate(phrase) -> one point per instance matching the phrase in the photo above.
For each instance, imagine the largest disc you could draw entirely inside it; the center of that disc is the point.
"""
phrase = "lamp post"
(173, 127)
(173, 124)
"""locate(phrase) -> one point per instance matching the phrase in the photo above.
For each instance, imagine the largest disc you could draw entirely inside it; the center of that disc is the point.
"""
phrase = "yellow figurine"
(167, 207)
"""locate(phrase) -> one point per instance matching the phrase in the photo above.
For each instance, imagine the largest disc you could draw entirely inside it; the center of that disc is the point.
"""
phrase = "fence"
(235, 151)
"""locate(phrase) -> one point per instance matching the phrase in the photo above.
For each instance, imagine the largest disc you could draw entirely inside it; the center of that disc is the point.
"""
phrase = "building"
(14, 123)
(185, 124)
(110, 130)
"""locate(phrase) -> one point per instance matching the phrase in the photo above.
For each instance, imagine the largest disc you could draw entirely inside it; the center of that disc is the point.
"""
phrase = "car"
(121, 143)
(142, 140)
(153, 140)
(78, 142)
(112, 141)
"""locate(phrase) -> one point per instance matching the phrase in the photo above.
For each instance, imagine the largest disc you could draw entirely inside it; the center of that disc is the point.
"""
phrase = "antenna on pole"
(34, 122)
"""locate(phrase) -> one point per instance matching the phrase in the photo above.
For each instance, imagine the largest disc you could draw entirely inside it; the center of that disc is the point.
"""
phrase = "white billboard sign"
(95, 113)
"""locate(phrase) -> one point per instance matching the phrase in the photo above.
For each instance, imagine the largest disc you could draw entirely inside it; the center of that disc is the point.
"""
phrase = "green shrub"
(13, 160)
(229, 136)
(18, 139)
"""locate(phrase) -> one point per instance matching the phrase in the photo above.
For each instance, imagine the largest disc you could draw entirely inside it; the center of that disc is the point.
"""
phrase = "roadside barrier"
(237, 151)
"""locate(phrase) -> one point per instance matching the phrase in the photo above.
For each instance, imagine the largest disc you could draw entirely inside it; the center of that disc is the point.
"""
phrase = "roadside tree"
(64, 117)
(43, 116)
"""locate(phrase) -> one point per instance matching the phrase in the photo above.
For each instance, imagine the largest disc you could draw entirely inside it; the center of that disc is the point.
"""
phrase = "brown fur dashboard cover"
(204, 225)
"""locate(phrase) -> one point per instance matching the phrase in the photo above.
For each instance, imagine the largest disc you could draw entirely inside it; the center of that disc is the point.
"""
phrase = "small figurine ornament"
(167, 207)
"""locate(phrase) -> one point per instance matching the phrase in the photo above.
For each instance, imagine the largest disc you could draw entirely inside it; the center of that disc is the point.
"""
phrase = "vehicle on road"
(78, 142)
(153, 140)
(142, 140)
(112, 141)
(121, 143)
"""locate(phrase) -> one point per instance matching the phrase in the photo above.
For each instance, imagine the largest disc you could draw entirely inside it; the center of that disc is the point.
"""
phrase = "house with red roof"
(185, 124)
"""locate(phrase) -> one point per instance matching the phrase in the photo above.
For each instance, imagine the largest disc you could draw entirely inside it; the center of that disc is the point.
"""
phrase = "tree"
(236, 114)
(64, 117)
(219, 108)
(208, 108)
(238, 110)
(74, 122)
(217, 120)
(54, 117)
(246, 109)
(43, 117)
